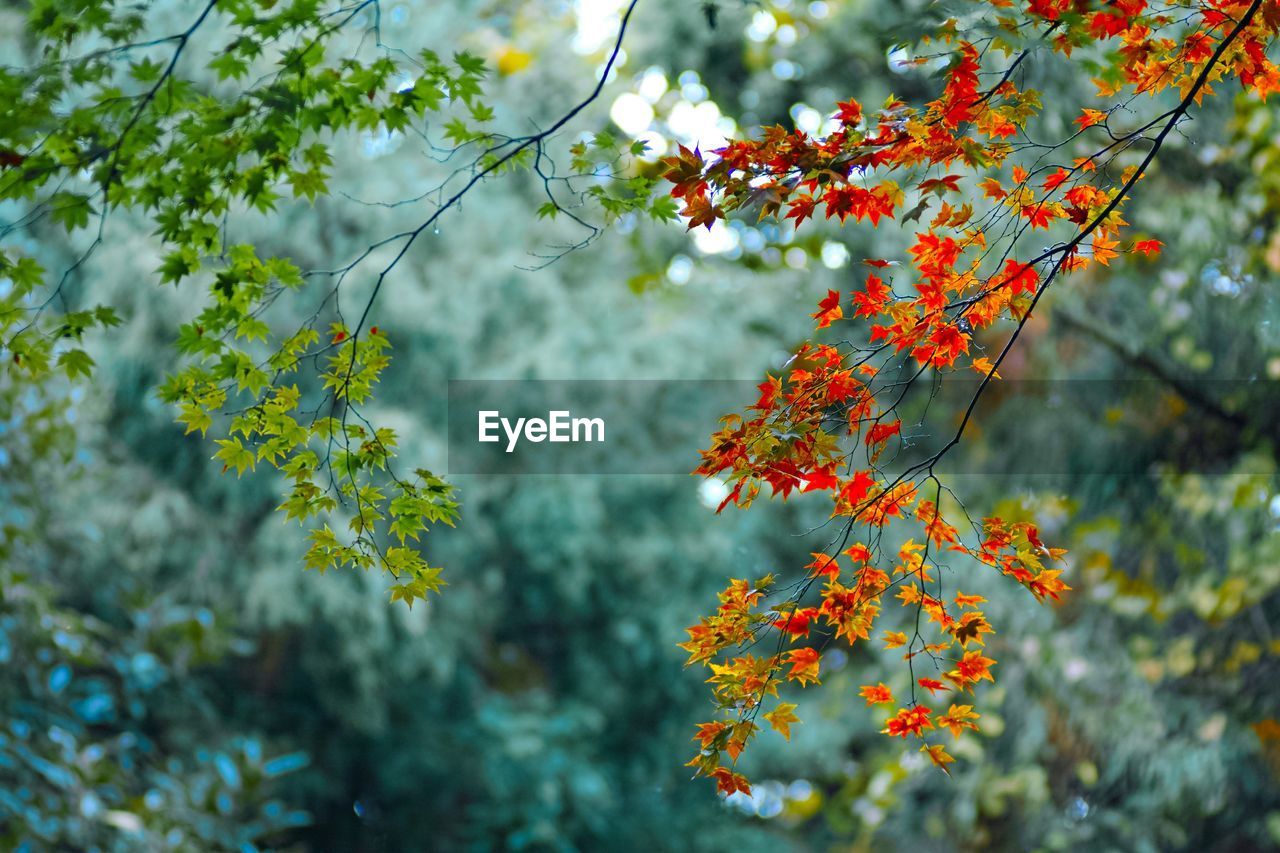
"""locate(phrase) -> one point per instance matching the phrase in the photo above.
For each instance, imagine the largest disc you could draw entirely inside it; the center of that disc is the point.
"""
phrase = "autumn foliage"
(966, 174)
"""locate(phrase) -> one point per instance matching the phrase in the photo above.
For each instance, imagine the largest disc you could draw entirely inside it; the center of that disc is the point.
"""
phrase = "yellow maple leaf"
(938, 755)
(894, 639)
(781, 718)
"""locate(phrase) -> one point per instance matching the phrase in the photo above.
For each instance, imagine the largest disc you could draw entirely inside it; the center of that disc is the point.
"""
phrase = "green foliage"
(237, 113)
(83, 763)
(540, 702)
(107, 742)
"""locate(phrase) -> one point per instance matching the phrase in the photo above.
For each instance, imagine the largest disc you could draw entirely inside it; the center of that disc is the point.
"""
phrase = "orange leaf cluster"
(828, 422)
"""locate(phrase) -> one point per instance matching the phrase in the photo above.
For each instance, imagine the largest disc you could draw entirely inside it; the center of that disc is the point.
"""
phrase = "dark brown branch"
(522, 145)
(1065, 251)
(1152, 366)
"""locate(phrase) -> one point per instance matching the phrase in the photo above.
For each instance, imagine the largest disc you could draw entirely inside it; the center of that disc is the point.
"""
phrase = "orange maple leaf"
(877, 694)
(992, 189)
(1103, 249)
(894, 639)
(958, 718)
(708, 732)
(728, 782)
(1088, 118)
(971, 669)
(984, 366)
(804, 665)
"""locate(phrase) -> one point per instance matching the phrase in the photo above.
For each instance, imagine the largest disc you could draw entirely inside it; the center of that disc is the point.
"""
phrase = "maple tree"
(152, 126)
(113, 115)
(831, 421)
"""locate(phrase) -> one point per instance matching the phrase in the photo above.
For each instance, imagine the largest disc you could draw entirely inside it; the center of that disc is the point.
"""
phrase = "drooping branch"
(191, 154)
(494, 159)
(969, 277)
(1060, 255)
(1148, 363)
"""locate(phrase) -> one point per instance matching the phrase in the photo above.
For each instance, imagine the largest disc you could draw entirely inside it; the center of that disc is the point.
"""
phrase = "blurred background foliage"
(171, 679)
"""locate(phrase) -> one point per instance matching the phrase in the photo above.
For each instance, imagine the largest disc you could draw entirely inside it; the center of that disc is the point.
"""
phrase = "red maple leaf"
(1039, 214)
(909, 721)
(829, 309)
(881, 433)
(872, 299)
(856, 489)
(1056, 180)
(931, 684)
(1019, 277)
(821, 478)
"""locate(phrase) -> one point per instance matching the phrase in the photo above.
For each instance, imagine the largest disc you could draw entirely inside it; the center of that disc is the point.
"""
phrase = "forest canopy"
(1001, 272)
